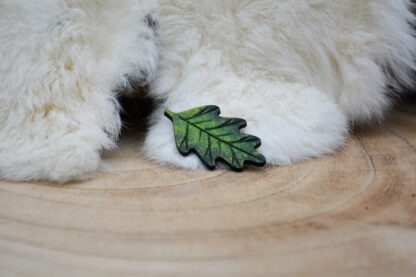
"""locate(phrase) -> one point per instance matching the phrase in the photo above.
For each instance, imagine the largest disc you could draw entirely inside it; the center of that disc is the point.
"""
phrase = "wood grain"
(349, 214)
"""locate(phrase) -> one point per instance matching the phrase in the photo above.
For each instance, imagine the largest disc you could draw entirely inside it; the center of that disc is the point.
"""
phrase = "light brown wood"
(349, 214)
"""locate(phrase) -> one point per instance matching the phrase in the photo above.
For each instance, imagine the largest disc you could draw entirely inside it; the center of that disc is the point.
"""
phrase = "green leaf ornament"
(214, 138)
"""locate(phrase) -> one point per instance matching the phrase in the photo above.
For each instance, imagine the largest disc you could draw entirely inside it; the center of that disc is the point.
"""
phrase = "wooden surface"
(350, 214)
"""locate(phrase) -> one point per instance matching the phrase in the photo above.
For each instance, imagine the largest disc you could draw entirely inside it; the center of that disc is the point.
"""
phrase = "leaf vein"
(223, 141)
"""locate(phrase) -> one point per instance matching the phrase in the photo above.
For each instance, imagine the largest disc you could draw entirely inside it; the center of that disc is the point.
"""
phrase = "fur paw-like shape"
(63, 64)
(294, 122)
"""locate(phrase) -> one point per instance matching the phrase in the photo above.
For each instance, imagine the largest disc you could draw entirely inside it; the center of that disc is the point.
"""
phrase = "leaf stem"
(169, 113)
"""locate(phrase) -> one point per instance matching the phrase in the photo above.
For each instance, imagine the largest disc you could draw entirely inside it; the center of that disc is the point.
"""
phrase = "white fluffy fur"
(298, 71)
(60, 62)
